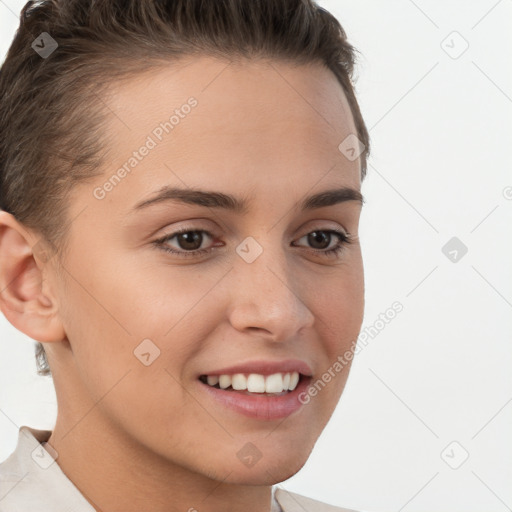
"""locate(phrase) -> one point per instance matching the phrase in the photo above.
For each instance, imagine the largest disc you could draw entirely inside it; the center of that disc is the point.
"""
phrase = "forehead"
(253, 124)
(223, 85)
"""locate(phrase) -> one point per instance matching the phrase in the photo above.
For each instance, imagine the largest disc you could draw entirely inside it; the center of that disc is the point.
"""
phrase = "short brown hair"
(51, 113)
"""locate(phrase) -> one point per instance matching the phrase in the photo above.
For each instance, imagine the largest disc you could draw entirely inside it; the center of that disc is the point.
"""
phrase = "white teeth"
(255, 382)
(212, 379)
(274, 383)
(225, 381)
(239, 381)
(294, 380)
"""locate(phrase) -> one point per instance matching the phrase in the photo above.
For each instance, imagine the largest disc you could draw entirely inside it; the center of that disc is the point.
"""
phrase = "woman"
(181, 194)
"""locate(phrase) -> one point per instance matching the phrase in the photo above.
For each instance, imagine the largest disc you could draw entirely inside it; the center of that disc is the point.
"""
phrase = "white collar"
(31, 479)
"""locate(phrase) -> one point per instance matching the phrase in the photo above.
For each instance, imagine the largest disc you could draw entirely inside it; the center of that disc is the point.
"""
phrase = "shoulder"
(293, 502)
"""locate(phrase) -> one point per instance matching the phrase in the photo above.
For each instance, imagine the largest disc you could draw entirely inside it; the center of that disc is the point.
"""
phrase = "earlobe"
(22, 299)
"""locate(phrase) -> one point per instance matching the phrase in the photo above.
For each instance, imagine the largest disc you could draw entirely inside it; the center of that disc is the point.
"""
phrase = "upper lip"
(267, 367)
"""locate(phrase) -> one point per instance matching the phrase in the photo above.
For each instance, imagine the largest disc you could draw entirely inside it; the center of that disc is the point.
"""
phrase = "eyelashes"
(344, 239)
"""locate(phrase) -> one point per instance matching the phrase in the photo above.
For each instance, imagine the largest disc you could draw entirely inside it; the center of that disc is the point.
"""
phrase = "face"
(256, 289)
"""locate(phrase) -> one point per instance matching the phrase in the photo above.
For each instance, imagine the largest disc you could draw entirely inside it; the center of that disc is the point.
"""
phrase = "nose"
(267, 299)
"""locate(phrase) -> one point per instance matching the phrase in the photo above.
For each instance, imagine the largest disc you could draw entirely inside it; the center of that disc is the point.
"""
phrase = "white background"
(439, 372)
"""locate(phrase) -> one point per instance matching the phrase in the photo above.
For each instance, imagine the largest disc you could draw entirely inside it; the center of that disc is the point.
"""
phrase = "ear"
(22, 276)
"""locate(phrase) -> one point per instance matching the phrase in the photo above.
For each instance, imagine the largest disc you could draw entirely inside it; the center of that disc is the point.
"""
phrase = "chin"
(266, 471)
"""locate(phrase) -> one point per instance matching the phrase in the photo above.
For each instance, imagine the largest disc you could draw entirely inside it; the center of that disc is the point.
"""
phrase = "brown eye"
(188, 242)
(321, 239)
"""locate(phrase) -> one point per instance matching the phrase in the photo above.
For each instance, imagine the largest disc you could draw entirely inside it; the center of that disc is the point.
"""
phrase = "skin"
(262, 130)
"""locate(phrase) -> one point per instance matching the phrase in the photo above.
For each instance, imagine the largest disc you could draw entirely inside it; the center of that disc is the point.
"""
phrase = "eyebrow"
(212, 199)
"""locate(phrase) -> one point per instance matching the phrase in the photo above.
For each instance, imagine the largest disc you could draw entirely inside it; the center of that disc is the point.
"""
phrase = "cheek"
(105, 317)
(339, 306)
(126, 318)
(340, 311)
(126, 366)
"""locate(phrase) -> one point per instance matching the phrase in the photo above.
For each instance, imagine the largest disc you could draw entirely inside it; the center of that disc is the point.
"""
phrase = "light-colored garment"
(32, 481)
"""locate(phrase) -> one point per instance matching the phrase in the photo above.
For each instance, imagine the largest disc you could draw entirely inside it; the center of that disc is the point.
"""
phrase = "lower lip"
(260, 406)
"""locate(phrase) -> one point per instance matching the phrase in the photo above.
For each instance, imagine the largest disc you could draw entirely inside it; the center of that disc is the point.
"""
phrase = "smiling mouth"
(276, 384)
